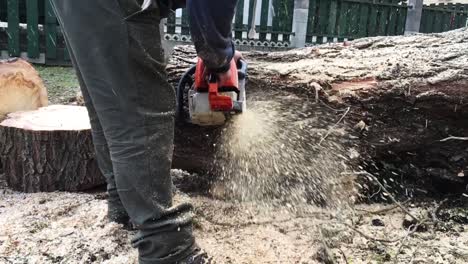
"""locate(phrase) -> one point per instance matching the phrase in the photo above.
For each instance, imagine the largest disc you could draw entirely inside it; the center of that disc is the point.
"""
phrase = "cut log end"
(52, 118)
(49, 149)
(21, 87)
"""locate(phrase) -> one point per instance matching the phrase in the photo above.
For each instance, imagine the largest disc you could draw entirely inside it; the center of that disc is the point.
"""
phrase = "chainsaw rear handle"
(186, 80)
(242, 69)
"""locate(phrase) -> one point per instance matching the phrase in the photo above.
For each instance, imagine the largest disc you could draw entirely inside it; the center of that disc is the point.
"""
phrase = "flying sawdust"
(270, 154)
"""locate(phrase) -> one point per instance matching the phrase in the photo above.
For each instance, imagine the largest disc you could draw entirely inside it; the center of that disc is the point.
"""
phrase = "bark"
(41, 151)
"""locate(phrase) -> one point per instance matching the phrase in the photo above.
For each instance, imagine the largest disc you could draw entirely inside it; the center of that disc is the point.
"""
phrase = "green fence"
(440, 18)
(273, 23)
(32, 30)
(336, 20)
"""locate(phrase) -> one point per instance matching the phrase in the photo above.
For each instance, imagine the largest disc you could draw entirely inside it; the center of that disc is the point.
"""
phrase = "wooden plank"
(324, 10)
(373, 19)
(392, 20)
(312, 18)
(438, 15)
(446, 19)
(50, 31)
(458, 17)
(343, 19)
(289, 19)
(383, 20)
(430, 20)
(171, 20)
(276, 23)
(401, 23)
(185, 22)
(423, 26)
(353, 19)
(282, 22)
(264, 19)
(13, 30)
(238, 20)
(331, 29)
(363, 20)
(33, 28)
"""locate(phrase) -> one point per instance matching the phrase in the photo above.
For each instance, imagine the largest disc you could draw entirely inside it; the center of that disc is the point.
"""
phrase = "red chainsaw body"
(206, 81)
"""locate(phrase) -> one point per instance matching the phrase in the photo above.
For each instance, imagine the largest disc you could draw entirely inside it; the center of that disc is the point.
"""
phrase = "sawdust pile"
(271, 154)
(60, 228)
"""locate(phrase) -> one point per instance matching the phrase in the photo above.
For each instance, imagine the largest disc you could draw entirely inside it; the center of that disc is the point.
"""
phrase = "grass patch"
(61, 83)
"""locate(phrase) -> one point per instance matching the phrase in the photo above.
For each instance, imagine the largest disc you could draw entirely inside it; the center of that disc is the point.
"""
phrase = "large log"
(407, 97)
(49, 149)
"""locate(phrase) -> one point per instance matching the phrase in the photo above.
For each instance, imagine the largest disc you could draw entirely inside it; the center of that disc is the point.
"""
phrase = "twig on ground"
(344, 255)
(384, 209)
(385, 190)
(369, 237)
(6, 259)
(331, 128)
(212, 221)
(414, 228)
(328, 255)
(453, 138)
(411, 230)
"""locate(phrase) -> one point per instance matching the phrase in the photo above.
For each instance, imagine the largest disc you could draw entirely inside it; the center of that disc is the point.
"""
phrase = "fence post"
(413, 17)
(299, 27)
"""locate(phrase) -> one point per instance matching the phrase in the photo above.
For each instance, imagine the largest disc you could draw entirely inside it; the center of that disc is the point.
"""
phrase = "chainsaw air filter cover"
(204, 101)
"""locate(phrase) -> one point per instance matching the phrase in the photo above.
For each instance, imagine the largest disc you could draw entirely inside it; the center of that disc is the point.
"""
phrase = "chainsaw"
(202, 99)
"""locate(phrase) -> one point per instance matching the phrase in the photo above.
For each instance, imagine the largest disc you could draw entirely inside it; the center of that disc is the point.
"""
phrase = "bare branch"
(453, 138)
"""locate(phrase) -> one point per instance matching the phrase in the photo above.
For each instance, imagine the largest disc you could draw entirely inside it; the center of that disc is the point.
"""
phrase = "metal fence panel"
(33, 30)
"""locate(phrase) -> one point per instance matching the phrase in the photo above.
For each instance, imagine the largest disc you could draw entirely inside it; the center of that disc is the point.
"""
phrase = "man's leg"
(122, 64)
(115, 211)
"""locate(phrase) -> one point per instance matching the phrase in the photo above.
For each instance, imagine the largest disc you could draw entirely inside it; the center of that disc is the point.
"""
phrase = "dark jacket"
(210, 27)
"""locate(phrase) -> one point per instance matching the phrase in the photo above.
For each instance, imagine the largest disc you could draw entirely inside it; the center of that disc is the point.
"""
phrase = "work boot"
(116, 213)
(198, 256)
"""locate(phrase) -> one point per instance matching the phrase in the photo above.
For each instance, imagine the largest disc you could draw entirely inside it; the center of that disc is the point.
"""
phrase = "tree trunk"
(49, 149)
(407, 97)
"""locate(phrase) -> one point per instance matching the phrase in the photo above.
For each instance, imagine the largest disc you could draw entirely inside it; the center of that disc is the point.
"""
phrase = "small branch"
(327, 252)
(453, 138)
(369, 237)
(331, 128)
(411, 230)
(383, 210)
(385, 190)
(344, 255)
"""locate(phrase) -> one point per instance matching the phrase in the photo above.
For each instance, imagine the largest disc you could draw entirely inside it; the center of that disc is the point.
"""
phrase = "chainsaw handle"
(242, 69)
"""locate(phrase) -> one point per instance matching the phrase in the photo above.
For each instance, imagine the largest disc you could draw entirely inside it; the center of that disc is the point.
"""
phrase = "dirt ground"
(72, 228)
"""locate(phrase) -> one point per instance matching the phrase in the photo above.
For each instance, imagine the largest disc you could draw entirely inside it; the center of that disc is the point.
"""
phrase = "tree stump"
(49, 149)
